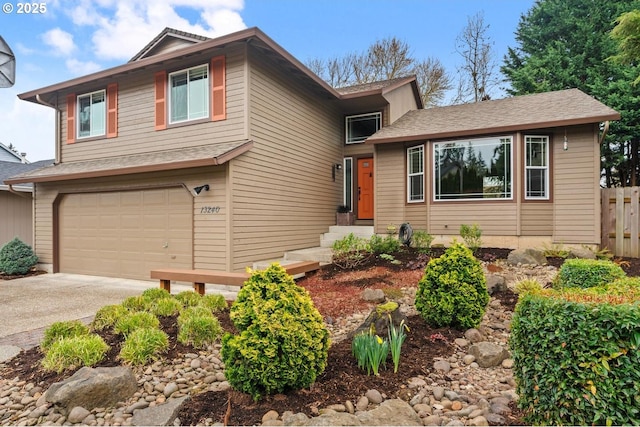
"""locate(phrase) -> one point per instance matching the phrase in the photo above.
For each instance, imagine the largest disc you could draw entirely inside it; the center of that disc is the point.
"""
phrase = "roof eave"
(497, 129)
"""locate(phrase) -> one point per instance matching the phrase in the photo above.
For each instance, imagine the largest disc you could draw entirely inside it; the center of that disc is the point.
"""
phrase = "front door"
(365, 188)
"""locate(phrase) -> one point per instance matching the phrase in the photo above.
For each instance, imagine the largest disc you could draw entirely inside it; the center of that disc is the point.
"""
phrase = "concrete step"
(324, 255)
(337, 232)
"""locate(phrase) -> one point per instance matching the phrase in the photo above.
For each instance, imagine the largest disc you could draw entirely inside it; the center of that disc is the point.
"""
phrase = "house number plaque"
(210, 209)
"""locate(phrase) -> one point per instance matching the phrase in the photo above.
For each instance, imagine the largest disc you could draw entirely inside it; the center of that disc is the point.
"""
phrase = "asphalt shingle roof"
(9, 169)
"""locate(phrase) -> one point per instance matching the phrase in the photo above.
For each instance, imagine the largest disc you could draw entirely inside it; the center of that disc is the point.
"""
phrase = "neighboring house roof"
(167, 36)
(9, 169)
(543, 110)
(8, 155)
(208, 155)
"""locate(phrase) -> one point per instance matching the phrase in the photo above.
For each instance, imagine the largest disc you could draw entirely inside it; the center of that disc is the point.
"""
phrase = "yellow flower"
(379, 340)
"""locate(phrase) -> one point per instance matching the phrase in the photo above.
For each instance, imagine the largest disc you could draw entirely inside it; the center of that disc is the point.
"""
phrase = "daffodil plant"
(370, 351)
(397, 335)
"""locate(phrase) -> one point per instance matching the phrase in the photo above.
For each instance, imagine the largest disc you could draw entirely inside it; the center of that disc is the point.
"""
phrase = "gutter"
(57, 128)
(26, 195)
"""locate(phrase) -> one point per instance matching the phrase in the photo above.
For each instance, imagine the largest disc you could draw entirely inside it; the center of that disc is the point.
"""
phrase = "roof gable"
(8, 155)
(542, 110)
(167, 41)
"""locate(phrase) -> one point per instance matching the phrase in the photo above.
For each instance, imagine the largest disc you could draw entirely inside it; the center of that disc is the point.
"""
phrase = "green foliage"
(198, 327)
(351, 251)
(453, 290)
(282, 342)
(137, 303)
(527, 286)
(422, 240)
(472, 236)
(107, 316)
(576, 356)
(397, 335)
(144, 345)
(189, 298)
(625, 33)
(587, 273)
(137, 320)
(166, 307)
(214, 302)
(154, 294)
(60, 330)
(384, 245)
(555, 250)
(16, 257)
(75, 351)
(370, 351)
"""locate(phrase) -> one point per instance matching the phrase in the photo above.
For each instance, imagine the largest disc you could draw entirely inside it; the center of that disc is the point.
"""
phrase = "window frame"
(496, 138)
(546, 168)
(349, 120)
(410, 174)
(170, 96)
(78, 114)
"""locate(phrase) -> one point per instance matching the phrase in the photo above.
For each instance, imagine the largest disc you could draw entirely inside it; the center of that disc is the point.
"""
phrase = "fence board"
(621, 220)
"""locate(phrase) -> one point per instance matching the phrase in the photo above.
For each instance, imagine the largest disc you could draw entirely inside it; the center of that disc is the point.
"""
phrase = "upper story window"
(189, 94)
(415, 174)
(536, 168)
(92, 112)
(473, 169)
(362, 126)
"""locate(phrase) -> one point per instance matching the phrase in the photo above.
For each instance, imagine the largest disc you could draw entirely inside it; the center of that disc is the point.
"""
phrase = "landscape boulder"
(527, 256)
(488, 354)
(495, 283)
(92, 388)
(583, 253)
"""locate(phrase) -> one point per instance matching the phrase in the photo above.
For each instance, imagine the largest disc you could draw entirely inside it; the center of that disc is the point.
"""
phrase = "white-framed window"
(348, 182)
(189, 94)
(415, 174)
(473, 169)
(92, 113)
(536, 167)
(362, 126)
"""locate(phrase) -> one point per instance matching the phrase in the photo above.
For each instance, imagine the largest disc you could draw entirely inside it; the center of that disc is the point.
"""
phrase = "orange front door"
(365, 188)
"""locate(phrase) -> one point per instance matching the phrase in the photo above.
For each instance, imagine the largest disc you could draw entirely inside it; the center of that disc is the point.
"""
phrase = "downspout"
(605, 130)
(57, 140)
(18, 193)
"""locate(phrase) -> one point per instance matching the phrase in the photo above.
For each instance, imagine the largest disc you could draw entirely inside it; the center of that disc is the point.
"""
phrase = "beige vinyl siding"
(495, 219)
(136, 118)
(576, 190)
(283, 193)
(209, 229)
(536, 219)
(16, 219)
(400, 100)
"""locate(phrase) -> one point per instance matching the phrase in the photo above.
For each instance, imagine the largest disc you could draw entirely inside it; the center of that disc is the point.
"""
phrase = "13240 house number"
(210, 209)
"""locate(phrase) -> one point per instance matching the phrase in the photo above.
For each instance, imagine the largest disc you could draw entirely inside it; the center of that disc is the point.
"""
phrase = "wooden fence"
(621, 221)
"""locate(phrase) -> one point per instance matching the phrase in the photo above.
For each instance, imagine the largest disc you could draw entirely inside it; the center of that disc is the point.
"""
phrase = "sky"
(62, 39)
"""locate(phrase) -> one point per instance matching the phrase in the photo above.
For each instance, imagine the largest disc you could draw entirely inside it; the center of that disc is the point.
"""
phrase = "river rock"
(393, 412)
(488, 354)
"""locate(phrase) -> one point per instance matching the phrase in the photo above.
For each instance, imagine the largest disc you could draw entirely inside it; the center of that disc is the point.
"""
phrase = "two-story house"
(216, 153)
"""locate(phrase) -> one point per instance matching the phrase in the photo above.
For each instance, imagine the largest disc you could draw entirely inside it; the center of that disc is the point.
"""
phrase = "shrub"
(576, 356)
(453, 290)
(137, 320)
(214, 302)
(137, 303)
(472, 236)
(144, 345)
(587, 273)
(154, 294)
(60, 330)
(422, 240)
(73, 352)
(108, 316)
(166, 307)
(189, 298)
(384, 245)
(16, 257)
(282, 343)
(555, 250)
(198, 327)
(527, 286)
(351, 251)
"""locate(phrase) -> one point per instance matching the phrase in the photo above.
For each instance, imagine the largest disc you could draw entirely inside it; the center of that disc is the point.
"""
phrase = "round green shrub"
(166, 307)
(108, 316)
(16, 257)
(199, 330)
(189, 298)
(527, 286)
(214, 302)
(453, 290)
(283, 342)
(60, 330)
(137, 320)
(587, 273)
(144, 345)
(154, 294)
(73, 352)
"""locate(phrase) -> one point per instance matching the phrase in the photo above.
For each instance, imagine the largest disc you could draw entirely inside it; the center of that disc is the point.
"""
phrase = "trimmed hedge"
(587, 273)
(576, 358)
(282, 344)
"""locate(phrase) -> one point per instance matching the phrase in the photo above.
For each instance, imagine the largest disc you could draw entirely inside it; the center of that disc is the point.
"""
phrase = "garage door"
(125, 234)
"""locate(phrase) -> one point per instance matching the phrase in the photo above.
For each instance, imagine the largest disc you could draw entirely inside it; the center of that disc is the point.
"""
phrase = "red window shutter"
(112, 110)
(218, 89)
(161, 100)
(71, 118)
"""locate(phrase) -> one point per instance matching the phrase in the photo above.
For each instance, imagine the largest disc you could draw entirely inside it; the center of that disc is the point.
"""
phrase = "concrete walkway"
(31, 304)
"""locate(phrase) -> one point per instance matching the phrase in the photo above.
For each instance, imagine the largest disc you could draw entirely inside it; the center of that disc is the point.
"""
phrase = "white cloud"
(61, 41)
(123, 27)
(79, 68)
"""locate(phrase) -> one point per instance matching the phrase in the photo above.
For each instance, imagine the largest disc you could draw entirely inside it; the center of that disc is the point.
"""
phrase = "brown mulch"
(332, 290)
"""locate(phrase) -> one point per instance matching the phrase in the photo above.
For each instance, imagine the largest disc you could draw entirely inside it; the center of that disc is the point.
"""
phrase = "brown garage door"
(125, 234)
